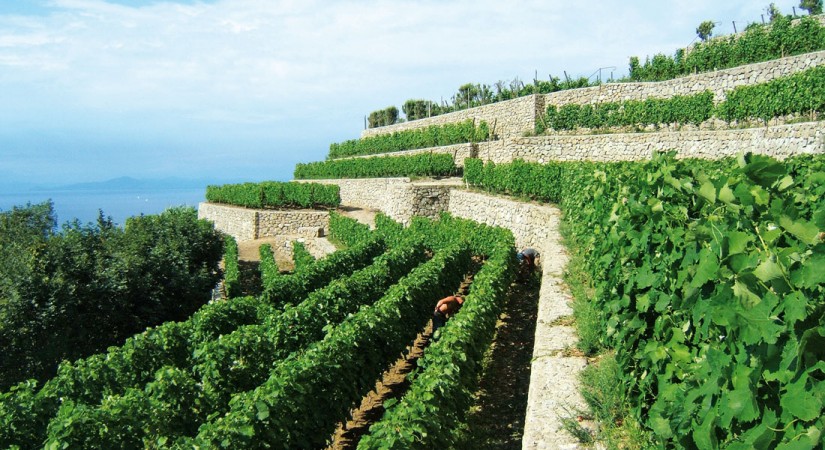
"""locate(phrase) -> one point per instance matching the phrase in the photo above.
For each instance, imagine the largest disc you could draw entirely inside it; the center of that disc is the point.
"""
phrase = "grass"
(602, 387)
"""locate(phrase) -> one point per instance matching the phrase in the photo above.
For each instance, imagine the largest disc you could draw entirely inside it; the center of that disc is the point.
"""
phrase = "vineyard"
(248, 372)
(706, 281)
(685, 297)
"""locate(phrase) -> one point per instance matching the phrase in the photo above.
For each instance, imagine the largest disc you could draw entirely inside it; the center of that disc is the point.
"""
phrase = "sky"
(234, 90)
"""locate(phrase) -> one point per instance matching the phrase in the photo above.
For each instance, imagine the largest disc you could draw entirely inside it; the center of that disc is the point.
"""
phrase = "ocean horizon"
(84, 205)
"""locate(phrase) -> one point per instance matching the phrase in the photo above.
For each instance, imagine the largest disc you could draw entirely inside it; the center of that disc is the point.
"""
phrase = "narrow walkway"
(554, 383)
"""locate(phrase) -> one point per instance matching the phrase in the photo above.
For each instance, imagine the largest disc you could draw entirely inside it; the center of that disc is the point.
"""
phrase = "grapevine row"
(443, 391)
(707, 277)
(428, 164)
(25, 410)
(432, 136)
(230, 364)
(273, 194)
(306, 395)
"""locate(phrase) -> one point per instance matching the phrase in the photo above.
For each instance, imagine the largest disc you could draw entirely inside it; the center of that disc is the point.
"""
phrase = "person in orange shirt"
(444, 309)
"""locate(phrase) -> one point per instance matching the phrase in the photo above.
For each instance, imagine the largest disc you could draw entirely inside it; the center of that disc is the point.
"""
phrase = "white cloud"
(325, 64)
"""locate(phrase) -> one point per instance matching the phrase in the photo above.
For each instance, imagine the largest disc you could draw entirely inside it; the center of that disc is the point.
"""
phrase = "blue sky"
(243, 89)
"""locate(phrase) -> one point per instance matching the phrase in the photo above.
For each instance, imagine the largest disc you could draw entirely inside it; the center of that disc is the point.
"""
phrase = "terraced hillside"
(682, 299)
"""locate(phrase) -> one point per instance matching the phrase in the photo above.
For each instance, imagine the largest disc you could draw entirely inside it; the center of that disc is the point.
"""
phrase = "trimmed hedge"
(432, 136)
(428, 164)
(274, 194)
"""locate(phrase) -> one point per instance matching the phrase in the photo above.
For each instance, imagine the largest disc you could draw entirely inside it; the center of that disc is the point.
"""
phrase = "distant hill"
(129, 183)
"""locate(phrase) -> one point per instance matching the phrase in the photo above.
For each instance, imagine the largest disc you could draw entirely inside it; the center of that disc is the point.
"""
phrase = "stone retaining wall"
(527, 221)
(777, 141)
(398, 198)
(458, 151)
(249, 224)
(506, 119)
(719, 82)
(514, 118)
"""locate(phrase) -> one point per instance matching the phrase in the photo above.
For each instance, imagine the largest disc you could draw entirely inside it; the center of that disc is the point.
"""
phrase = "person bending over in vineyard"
(444, 309)
(527, 259)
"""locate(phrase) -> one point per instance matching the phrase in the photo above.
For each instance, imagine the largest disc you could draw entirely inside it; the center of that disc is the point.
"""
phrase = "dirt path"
(393, 385)
(365, 216)
(497, 418)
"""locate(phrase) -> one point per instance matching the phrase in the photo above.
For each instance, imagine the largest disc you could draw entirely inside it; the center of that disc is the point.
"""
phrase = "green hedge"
(428, 164)
(800, 93)
(757, 43)
(273, 194)
(708, 278)
(432, 136)
(692, 109)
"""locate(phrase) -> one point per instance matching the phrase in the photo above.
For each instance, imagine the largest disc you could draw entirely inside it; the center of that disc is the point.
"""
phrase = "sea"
(84, 205)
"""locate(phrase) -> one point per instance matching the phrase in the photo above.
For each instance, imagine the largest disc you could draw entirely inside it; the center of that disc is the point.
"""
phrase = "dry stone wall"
(778, 141)
(459, 152)
(249, 224)
(398, 198)
(506, 119)
(719, 82)
(514, 118)
(528, 221)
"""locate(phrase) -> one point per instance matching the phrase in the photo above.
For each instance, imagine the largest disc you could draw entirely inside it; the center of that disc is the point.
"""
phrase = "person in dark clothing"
(527, 257)
(444, 309)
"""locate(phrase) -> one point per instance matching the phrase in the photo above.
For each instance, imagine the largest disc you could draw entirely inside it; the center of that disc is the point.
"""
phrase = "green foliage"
(707, 277)
(757, 43)
(432, 136)
(301, 257)
(75, 292)
(803, 92)
(690, 109)
(231, 271)
(812, 6)
(298, 406)
(383, 117)
(293, 288)
(347, 231)
(419, 109)
(273, 194)
(427, 164)
(268, 267)
(705, 30)
(444, 389)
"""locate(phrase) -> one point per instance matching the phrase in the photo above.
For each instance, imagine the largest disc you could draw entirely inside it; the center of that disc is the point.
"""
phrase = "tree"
(705, 30)
(812, 6)
(773, 12)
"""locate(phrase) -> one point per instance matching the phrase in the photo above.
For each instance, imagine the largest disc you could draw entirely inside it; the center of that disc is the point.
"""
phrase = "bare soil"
(392, 385)
(365, 216)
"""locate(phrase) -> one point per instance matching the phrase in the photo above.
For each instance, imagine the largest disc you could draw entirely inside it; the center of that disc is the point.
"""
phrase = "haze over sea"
(119, 199)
